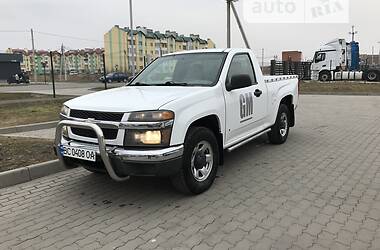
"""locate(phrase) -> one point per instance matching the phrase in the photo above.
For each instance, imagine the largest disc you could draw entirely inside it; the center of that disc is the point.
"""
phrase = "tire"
(280, 130)
(199, 143)
(325, 76)
(125, 80)
(372, 76)
(109, 81)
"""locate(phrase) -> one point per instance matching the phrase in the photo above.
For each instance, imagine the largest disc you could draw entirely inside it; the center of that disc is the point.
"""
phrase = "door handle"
(257, 93)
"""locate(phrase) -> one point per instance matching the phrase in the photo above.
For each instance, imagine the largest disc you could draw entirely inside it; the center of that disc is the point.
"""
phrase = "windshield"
(195, 69)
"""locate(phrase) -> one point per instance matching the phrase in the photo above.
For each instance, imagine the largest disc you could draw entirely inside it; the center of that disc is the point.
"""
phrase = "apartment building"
(82, 61)
(148, 45)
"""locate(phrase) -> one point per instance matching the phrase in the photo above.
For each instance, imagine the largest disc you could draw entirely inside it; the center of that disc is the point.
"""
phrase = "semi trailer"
(339, 60)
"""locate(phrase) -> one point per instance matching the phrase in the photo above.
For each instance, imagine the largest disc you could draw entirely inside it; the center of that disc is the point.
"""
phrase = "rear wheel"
(372, 76)
(280, 130)
(200, 162)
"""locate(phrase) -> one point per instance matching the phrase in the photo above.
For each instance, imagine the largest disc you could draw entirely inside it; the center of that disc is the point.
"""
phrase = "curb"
(28, 173)
(28, 127)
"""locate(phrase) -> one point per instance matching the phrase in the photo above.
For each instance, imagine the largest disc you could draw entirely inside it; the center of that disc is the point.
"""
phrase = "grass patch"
(21, 96)
(16, 152)
(339, 87)
(102, 88)
(31, 112)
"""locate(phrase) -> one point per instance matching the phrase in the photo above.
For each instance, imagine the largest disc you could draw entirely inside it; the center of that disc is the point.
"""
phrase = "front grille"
(109, 134)
(100, 116)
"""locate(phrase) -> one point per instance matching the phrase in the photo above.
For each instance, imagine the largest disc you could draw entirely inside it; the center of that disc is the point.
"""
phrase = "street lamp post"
(230, 5)
(228, 23)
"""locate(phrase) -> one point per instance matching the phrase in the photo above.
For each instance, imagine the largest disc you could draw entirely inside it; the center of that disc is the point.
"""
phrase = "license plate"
(78, 153)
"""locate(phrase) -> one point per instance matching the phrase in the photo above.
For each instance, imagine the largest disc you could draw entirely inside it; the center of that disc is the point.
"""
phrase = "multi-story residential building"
(148, 45)
(41, 59)
(87, 61)
(84, 61)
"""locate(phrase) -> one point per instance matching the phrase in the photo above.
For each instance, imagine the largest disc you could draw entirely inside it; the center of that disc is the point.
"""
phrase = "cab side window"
(241, 65)
(320, 57)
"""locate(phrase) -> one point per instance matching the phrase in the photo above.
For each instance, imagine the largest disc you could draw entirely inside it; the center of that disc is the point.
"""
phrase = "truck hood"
(128, 99)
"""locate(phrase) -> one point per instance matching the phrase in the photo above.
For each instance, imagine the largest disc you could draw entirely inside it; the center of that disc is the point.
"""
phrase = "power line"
(65, 36)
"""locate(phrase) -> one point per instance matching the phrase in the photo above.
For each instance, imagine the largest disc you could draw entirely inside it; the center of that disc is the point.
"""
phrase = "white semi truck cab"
(339, 60)
(177, 118)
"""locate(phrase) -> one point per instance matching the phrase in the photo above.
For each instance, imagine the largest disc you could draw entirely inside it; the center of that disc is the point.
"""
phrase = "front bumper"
(118, 162)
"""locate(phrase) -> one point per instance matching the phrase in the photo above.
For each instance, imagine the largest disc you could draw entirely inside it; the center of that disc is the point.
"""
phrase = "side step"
(239, 144)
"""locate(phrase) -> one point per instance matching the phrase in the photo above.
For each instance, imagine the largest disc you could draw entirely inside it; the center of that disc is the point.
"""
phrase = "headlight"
(151, 116)
(65, 110)
(136, 137)
(154, 136)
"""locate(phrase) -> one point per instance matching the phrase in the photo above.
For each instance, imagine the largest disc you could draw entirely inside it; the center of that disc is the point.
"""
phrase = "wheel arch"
(288, 101)
(211, 122)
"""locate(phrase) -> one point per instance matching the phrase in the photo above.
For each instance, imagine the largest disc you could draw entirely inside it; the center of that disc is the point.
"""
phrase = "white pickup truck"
(177, 118)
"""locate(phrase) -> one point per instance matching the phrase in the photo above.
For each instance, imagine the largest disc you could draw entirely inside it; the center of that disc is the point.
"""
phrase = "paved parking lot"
(321, 190)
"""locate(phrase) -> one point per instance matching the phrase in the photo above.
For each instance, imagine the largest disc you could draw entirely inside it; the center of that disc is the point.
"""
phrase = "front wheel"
(325, 76)
(200, 162)
(280, 130)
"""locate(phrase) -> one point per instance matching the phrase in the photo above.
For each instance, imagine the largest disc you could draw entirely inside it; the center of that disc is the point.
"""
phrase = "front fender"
(192, 108)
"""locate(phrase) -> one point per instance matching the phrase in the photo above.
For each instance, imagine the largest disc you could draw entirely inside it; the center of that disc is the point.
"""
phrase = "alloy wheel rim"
(283, 124)
(202, 161)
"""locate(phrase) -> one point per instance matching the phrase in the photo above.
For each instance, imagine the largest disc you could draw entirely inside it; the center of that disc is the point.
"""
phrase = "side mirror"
(239, 82)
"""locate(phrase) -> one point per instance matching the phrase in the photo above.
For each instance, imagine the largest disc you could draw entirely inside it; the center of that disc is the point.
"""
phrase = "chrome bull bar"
(101, 142)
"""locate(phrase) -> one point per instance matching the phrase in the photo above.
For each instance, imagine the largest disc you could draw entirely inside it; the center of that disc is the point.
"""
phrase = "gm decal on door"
(246, 107)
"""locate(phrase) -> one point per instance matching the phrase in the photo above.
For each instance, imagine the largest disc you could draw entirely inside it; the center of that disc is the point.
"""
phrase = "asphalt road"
(62, 88)
(320, 190)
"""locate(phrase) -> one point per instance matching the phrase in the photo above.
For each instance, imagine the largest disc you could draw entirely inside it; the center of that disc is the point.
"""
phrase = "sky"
(90, 19)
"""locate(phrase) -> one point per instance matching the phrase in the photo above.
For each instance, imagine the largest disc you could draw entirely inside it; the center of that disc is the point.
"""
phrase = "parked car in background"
(115, 77)
(73, 72)
(18, 78)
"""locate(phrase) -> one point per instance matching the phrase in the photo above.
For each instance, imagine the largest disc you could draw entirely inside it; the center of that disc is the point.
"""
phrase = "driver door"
(239, 102)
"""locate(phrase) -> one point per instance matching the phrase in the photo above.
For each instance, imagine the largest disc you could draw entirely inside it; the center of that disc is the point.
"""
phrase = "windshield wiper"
(172, 83)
